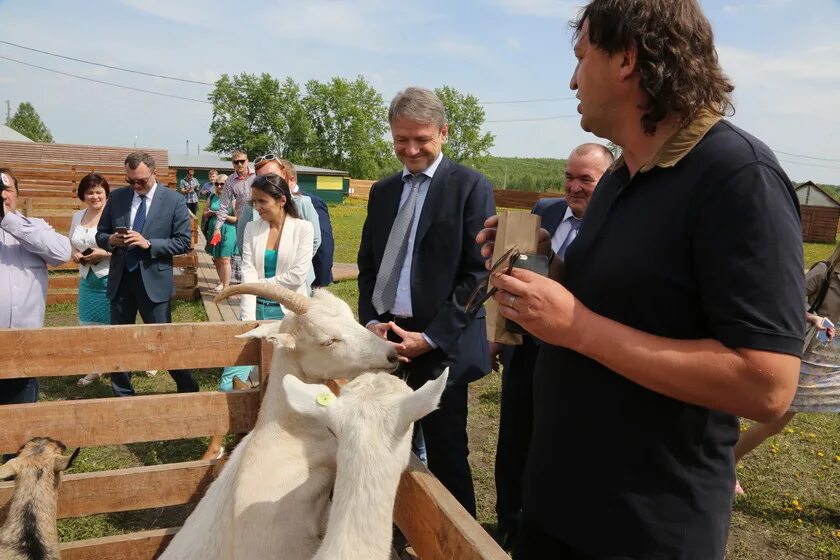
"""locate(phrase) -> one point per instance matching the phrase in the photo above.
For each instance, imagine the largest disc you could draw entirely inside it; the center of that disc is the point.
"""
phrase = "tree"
(465, 117)
(349, 122)
(27, 122)
(257, 114)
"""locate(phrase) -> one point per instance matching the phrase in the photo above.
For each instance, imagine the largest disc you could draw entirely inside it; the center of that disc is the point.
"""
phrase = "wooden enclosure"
(437, 527)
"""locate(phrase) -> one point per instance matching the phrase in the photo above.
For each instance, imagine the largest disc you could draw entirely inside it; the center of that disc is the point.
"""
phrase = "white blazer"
(82, 238)
(294, 259)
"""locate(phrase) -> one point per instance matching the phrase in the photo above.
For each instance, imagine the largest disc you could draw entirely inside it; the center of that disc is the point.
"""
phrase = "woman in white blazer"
(277, 247)
(94, 305)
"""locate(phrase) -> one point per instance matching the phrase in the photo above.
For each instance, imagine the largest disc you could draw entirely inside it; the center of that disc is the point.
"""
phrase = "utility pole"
(8, 111)
(188, 147)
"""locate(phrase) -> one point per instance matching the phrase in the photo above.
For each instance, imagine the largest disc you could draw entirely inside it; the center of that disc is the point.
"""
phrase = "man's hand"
(379, 329)
(216, 239)
(134, 239)
(413, 344)
(117, 239)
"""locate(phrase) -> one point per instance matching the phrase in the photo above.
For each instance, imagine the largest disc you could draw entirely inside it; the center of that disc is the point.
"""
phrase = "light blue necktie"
(388, 276)
(575, 223)
(132, 259)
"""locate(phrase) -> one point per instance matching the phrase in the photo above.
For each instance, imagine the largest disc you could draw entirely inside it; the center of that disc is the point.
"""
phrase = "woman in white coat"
(277, 247)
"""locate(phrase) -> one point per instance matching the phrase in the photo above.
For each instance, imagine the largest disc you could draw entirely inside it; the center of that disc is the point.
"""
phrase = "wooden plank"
(47, 352)
(133, 546)
(112, 421)
(435, 524)
(128, 489)
(187, 260)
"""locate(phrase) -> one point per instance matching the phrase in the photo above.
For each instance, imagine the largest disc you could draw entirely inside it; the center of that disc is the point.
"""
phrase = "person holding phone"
(818, 389)
(94, 261)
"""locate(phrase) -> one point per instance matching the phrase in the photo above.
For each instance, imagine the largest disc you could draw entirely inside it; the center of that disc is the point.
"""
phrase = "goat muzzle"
(293, 301)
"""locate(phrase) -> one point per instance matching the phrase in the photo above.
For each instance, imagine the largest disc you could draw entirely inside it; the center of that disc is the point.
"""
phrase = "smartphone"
(534, 263)
(122, 230)
(87, 252)
(822, 336)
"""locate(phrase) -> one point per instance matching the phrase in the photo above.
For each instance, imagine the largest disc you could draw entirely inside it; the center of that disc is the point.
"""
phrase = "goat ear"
(422, 401)
(8, 470)
(269, 332)
(309, 400)
(65, 462)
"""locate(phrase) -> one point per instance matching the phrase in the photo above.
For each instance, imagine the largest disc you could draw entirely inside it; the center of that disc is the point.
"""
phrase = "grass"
(791, 510)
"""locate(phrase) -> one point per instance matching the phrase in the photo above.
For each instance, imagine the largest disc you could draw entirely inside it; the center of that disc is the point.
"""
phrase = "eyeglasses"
(139, 182)
(219, 184)
(502, 266)
(266, 158)
(239, 161)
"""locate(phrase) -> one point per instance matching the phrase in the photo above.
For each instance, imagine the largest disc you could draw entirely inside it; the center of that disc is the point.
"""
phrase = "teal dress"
(228, 244)
(266, 310)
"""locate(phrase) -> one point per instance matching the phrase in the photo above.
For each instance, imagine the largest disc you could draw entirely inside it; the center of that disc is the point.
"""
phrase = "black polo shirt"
(704, 243)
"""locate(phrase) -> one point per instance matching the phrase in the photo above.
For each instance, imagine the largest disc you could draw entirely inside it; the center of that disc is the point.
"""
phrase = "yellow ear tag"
(325, 399)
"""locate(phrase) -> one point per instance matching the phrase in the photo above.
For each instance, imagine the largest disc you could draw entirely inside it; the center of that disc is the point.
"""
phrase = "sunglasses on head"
(239, 161)
(138, 182)
(483, 291)
(269, 157)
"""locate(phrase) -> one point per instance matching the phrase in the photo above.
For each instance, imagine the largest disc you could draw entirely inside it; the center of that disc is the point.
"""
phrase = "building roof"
(210, 160)
(7, 133)
(811, 194)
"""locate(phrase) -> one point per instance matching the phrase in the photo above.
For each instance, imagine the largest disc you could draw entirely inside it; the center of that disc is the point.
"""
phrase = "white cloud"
(733, 8)
(513, 44)
(563, 9)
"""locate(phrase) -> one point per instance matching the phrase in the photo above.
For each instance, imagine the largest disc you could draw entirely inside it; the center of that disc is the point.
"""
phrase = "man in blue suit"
(561, 218)
(144, 226)
(418, 264)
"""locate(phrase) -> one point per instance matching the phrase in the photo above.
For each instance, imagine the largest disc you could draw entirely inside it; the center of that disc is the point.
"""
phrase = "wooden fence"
(437, 527)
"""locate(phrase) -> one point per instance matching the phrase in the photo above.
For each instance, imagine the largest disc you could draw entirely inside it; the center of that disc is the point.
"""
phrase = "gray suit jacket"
(167, 228)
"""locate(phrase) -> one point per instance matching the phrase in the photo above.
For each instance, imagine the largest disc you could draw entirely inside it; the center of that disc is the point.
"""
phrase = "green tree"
(259, 115)
(27, 122)
(349, 122)
(465, 117)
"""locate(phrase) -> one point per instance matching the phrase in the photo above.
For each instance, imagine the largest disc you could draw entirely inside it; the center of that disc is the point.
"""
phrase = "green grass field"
(791, 510)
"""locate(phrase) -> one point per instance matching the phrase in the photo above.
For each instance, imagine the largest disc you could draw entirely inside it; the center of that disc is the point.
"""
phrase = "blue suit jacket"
(446, 265)
(322, 260)
(167, 228)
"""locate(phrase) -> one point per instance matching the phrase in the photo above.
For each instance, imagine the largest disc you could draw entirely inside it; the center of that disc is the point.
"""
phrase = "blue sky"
(783, 55)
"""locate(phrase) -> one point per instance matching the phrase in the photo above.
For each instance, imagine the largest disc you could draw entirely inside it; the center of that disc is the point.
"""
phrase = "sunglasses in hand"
(484, 291)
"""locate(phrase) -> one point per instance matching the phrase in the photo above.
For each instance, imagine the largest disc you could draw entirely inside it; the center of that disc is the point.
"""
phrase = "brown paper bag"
(520, 229)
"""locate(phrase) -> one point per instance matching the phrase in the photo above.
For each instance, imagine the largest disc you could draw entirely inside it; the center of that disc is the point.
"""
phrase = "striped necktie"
(575, 223)
(388, 276)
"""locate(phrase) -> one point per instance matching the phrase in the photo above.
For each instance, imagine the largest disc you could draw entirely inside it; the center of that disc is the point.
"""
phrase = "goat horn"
(293, 301)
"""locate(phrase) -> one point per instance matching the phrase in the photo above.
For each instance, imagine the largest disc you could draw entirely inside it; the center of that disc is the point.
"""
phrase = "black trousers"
(444, 430)
(21, 390)
(534, 544)
(132, 298)
(515, 426)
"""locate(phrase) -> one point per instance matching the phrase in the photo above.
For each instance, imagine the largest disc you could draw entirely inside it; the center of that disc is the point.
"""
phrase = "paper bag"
(520, 229)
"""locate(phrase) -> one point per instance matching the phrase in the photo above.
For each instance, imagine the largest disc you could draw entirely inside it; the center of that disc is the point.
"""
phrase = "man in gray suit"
(143, 226)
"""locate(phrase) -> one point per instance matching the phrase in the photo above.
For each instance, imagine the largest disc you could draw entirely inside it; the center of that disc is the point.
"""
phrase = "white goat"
(30, 531)
(372, 420)
(271, 499)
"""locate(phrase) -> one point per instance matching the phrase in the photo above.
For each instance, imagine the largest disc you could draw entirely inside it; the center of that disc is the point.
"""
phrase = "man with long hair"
(680, 307)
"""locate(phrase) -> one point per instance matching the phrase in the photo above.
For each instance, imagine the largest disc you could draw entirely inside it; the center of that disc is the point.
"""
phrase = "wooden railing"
(437, 527)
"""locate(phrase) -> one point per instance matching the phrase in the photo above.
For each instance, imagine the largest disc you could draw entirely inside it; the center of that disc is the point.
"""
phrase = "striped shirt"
(238, 188)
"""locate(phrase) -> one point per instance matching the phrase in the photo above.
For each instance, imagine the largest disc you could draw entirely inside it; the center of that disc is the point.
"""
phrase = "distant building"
(329, 184)
(820, 213)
